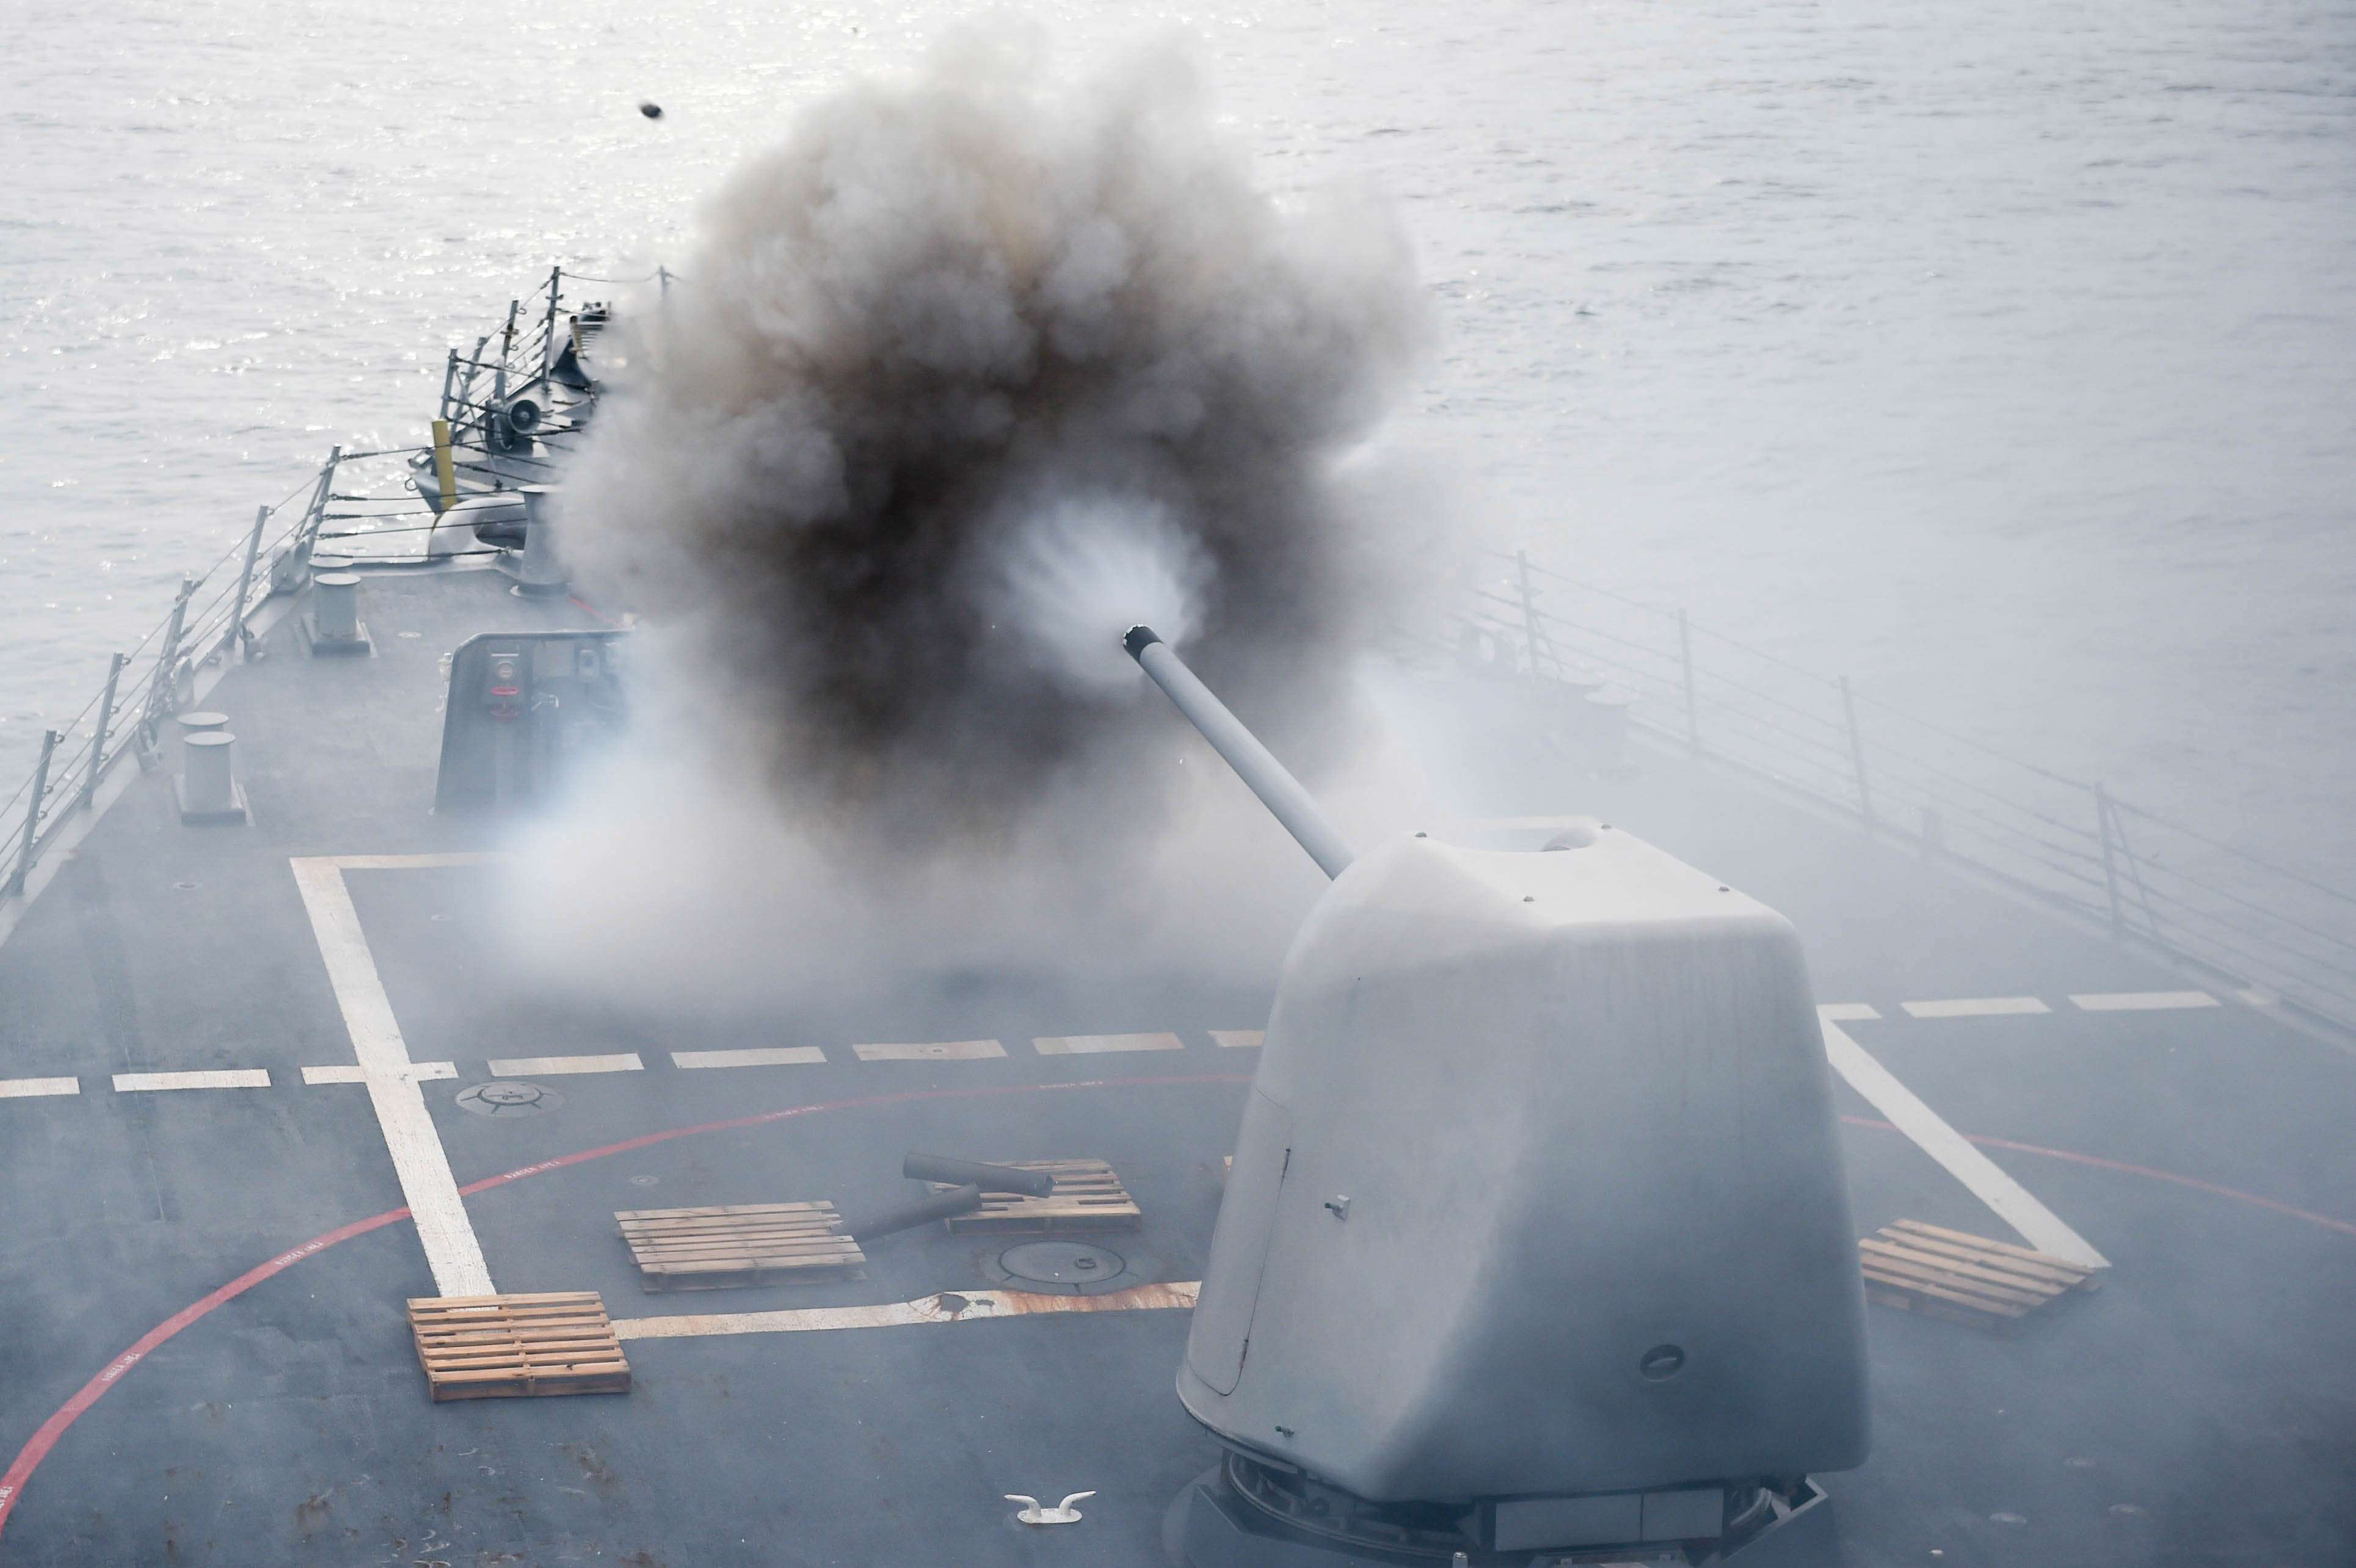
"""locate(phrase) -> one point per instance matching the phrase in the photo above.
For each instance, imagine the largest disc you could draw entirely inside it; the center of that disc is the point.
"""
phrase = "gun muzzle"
(1254, 763)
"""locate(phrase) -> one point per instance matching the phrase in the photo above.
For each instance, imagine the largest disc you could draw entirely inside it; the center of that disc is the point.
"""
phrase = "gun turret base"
(1233, 1515)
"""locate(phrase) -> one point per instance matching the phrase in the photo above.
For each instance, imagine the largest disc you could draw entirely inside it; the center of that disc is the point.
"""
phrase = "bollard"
(1605, 720)
(334, 624)
(337, 610)
(1571, 708)
(192, 724)
(539, 571)
(207, 788)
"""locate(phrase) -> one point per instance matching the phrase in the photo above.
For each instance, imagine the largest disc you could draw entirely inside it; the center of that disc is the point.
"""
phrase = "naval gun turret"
(1537, 1246)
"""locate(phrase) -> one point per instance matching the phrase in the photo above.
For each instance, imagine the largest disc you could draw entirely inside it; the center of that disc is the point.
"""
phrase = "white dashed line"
(775, 1056)
(946, 1051)
(1089, 1044)
(27, 1088)
(2142, 1001)
(349, 1073)
(1239, 1039)
(230, 1078)
(549, 1066)
(1975, 1008)
(1849, 1012)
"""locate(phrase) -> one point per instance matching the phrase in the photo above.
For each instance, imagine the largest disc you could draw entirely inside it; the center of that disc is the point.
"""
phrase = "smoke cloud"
(978, 368)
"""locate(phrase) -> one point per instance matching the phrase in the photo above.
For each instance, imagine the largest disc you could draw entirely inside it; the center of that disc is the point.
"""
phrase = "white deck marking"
(1089, 1044)
(1849, 1012)
(774, 1056)
(452, 1251)
(946, 1051)
(2142, 1001)
(546, 1066)
(1975, 1008)
(980, 1305)
(2038, 1225)
(27, 1088)
(1239, 1039)
(351, 1073)
(226, 1078)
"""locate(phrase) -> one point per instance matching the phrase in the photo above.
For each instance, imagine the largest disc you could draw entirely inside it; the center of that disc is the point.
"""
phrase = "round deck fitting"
(1062, 1268)
(509, 1099)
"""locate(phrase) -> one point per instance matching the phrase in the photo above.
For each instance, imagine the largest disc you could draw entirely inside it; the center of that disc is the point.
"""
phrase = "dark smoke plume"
(974, 369)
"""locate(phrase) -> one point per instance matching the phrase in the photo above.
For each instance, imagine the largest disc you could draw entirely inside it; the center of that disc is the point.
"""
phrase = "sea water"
(2000, 357)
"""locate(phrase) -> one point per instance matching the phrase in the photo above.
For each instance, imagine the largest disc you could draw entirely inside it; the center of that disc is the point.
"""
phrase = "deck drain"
(509, 1099)
(1063, 1268)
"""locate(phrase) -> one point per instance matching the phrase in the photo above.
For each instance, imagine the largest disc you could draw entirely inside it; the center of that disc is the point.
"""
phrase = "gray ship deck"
(203, 1286)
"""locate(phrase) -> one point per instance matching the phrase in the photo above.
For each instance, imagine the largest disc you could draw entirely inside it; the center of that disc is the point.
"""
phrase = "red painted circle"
(36, 1449)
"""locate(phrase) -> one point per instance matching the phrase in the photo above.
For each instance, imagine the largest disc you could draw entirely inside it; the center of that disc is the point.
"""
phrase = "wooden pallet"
(739, 1244)
(1966, 1278)
(501, 1347)
(1087, 1197)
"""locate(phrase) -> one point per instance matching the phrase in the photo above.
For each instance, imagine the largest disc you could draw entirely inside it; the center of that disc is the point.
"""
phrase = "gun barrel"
(1254, 763)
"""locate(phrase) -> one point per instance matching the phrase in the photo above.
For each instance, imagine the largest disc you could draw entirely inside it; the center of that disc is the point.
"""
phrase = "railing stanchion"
(507, 352)
(50, 739)
(288, 573)
(98, 737)
(1531, 635)
(162, 698)
(2110, 861)
(319, 500)
(1856, 754)
(547, 331)
(235, 636)
(1685, 660)
(467, 384)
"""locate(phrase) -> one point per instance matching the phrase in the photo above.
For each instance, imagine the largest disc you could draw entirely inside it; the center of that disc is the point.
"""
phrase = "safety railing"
(2277, 933)
(206, 624)
(358, 506)
(2266, 929)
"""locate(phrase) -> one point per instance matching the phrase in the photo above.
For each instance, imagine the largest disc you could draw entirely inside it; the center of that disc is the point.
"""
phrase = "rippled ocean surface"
(2002, 357)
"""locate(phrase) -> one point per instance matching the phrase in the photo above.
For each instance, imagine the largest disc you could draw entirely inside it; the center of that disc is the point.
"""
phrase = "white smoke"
(1080, 572)
(977, 370)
